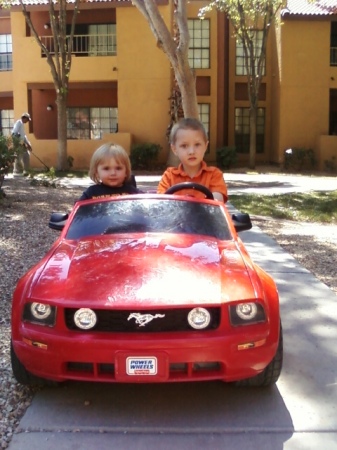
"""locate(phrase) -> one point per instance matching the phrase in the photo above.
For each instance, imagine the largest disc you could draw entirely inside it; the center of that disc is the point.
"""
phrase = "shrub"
(9, 146)
(299, 159)
(226, 157)
(70, 161)
(144, 156)
(330, 165)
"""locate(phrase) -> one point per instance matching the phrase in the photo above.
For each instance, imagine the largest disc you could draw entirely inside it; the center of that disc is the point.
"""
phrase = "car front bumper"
(141, 358)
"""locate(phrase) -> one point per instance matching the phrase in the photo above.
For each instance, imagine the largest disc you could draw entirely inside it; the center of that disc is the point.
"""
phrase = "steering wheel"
(190, 185)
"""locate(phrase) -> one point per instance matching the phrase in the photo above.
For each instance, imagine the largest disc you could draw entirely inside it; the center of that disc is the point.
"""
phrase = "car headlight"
(246, 313)
(199, 318)
(85, 318)
(40, 313)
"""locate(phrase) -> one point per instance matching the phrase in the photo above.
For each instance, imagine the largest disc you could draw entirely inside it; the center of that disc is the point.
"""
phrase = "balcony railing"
(333, 56)
(87, 44)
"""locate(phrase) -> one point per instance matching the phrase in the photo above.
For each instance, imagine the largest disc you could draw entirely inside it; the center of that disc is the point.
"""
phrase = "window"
(6, 121)
(6, 62)
(240, 56)
(199, 51)
(149, 216)
(102, 40)
(91, 123)
(333, 112)
(204, 114)
(333, 44)
(242, 135)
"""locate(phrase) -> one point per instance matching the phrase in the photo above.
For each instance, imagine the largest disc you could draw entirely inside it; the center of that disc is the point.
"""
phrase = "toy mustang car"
(147, 288)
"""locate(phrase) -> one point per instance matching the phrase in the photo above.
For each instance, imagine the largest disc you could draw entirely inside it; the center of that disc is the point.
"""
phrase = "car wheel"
(271, 373)
(23, 376)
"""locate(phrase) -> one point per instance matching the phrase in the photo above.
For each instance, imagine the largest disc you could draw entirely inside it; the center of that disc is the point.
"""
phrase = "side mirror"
(241, 222)
(57, 220)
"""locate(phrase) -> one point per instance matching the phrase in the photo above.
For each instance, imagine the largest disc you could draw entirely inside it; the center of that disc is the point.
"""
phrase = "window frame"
(82, 122)
(199, 52)
(204, 110)
(6, 53)
(7, 118)
(333, 43)
(240, 67)
(242, 130)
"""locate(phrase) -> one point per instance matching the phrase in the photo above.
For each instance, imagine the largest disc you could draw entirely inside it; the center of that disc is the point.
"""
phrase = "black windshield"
(149, 216)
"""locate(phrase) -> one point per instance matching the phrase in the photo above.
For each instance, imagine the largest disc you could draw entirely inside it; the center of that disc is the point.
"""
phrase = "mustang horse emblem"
(143, 319)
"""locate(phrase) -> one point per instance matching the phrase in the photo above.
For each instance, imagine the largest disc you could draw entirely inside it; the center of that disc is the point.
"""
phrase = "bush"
(70, 161)
(226, 157)
(144, 156)
(8, 150)
(330, 165)
(299, 159)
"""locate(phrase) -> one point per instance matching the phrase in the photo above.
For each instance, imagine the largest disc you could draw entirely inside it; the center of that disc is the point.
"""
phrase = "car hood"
(144, 271)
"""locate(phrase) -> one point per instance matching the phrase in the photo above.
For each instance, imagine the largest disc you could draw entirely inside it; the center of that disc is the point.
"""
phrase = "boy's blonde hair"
(187, 124)
(107, 151)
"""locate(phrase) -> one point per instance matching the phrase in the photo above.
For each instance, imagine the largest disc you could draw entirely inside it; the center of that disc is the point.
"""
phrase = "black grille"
(117, 321)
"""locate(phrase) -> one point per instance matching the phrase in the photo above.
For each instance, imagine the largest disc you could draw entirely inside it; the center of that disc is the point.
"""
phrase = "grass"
(302, 207)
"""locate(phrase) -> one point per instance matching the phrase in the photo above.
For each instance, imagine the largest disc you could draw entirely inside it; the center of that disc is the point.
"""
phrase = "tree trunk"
(189, 98)
(62, 156)
(186, 81)
(252, 141)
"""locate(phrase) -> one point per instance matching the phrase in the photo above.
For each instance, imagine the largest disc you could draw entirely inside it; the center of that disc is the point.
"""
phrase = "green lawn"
(301, 207)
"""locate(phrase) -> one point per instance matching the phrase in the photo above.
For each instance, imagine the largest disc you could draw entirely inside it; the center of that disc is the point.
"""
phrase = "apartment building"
(121, 82)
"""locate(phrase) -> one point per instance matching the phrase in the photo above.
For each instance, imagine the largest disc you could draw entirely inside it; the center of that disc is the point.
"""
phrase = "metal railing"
(87, 44)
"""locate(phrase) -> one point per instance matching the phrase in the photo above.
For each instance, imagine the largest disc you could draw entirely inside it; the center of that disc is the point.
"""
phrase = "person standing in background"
(22, 161)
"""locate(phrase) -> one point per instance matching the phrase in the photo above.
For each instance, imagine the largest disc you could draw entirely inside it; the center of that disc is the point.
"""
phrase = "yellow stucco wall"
(304, 83)
(6, 81)
(144, 79)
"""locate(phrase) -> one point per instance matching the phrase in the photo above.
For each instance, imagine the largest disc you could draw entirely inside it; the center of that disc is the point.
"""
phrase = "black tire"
(23, 376)
(271, 373)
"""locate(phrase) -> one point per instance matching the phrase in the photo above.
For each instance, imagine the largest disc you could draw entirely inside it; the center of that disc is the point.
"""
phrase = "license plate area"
(141, 365)
(134, 366)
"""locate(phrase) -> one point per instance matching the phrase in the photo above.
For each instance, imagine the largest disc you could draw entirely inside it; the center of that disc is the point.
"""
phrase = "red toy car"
(147, 288)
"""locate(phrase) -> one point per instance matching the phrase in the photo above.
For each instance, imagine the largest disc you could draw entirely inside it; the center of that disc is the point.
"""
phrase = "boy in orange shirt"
(189, 142)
